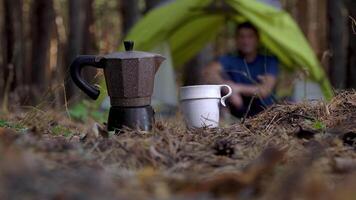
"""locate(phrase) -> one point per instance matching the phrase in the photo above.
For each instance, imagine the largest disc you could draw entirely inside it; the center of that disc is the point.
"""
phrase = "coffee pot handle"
(75, 71)
(226, 96)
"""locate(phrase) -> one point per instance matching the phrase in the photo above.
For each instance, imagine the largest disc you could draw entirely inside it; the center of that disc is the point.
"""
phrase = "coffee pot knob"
(128, 45)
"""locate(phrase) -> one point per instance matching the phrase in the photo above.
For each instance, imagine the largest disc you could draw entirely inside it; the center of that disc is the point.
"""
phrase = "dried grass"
(269, 160)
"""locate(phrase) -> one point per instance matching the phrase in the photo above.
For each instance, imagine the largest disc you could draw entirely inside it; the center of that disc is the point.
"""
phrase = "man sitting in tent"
(252, 76)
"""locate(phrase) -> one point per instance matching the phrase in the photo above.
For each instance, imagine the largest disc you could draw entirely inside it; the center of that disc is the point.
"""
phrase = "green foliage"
(79, 112)
(3, 123)
(84, 110)
(319, 125)
(61, 130)
(7, 124)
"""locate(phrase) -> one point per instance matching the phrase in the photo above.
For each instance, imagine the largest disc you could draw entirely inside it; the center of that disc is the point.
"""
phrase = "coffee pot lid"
(129, 53)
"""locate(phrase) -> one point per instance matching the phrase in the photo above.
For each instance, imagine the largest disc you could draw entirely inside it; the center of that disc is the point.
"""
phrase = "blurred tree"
(58, 48)
(42, 26)
(150, 4)
(338, 43)
(2, 41)
(351, 4)
(81, 38)
(13, 49)
(89, 46)
(76, 18)
(108, 24)
(130, 13)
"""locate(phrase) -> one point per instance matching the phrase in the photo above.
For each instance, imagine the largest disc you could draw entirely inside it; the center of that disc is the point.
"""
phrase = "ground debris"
(292, 151)
(224, 148)
(8, 136)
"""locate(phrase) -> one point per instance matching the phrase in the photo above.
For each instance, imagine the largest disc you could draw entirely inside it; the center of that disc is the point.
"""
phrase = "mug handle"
(75, 71)
(226, 96)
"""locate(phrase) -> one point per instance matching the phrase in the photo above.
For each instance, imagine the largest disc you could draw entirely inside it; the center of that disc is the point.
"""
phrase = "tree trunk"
(41, 30)
(13, 43)
(89, 46)
(2, 50)
(352, 46)
(130, 13)
(338, 43)
(81, 39)
(61, 41)
(75, 40)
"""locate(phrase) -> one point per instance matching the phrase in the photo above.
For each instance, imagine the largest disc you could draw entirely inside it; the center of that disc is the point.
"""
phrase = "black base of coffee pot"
(140, 118)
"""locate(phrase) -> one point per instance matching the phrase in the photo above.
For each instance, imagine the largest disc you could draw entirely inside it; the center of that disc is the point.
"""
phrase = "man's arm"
(213, 75)
(262, 89)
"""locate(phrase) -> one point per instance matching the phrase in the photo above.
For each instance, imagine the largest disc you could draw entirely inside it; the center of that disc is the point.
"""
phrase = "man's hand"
(267, 85)
(262, 89)
(236, 100)
(236, 88)
(264, 79)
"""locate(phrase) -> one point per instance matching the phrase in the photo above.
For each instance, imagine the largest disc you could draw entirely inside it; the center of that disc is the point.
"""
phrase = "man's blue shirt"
(240, 71)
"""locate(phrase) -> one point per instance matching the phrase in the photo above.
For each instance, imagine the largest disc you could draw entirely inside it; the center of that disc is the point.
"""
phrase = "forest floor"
(295, 151)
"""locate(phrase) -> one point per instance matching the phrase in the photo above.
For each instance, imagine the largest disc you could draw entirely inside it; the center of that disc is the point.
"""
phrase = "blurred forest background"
(40, 38)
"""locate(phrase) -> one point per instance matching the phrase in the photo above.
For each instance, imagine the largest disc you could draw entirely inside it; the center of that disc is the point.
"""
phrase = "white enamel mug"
(200, 104)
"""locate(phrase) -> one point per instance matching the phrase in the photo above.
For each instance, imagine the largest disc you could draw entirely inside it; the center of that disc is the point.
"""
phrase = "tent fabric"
(275, 3)
(188, 26)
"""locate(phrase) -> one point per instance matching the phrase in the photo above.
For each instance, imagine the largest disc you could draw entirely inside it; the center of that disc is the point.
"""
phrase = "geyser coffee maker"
(129, 77)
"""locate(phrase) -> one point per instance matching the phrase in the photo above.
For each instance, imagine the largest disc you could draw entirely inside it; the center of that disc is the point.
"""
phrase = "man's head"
(247, 38)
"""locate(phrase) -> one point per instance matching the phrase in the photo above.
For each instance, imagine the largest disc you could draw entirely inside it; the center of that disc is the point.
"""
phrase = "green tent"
(188, 25)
